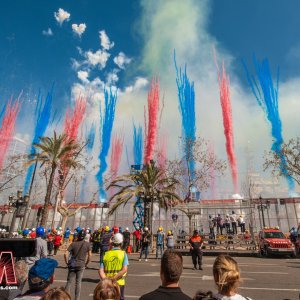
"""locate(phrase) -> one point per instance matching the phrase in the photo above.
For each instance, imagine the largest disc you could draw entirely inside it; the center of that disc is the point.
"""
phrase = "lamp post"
(20, 204)
(262, 207)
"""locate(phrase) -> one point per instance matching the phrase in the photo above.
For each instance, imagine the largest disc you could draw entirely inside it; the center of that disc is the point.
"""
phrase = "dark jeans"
(159, 248)
(56, 248)
(227, 226)
(137, 245)
(220, 229)
(211, 230)
(102, 252)
(122, 290)
(242, 227)
(78, 273)
(197, 257)
(125, 245)
(96, 247)
(234, 229)
(145, 249)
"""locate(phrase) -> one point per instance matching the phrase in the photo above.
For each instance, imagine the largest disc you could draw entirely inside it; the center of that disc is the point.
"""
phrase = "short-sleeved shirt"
(165, 293)
(125, 261)
(79, 249)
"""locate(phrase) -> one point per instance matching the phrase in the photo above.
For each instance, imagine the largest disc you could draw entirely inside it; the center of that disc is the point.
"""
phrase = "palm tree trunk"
(48, 197)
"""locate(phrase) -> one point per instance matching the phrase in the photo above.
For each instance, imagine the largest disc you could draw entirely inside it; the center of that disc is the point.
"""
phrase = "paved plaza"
(267, 279)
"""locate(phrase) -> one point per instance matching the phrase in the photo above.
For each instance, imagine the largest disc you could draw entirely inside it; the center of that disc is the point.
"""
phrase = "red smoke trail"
(7, 128)
(224, 85)
(162, 152)
(152, 128)
(116, 154)
(73, 121)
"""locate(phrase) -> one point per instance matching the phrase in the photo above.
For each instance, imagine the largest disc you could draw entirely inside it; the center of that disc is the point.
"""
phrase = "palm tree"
(151, 184)
(54, 152)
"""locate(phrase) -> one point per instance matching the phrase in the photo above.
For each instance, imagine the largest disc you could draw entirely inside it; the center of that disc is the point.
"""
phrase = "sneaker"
(140, 259)
(146, 259)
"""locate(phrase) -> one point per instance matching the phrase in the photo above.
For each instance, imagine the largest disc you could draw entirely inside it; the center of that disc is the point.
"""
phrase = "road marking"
(269, 289)
(278, 273)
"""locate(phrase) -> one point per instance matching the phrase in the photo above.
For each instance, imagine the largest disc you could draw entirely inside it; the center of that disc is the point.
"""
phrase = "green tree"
(151, 184)
(53, 152)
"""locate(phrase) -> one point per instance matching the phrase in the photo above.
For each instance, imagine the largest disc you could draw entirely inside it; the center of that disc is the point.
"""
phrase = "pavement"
(262, 278)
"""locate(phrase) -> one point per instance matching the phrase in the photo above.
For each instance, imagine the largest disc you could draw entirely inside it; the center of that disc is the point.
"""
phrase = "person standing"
(96, 240)
(233, 222)
(126, 235)
(196, 243)
(105, 241)
(227, 224)
(67, 234)
(41, 248)
(241, 223)
(160, 236)
(137, 239)
(170, 240)
(57, 242)
(170, 271)
(77, 257)
(145, 239)
(220, 224)
(211, 224)
(115, 263)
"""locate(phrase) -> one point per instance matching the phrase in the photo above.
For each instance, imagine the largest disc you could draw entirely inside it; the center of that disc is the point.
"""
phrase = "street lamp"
(262, 207)
(19, 203)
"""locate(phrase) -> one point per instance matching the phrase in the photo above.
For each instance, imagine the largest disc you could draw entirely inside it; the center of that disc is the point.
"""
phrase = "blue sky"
(37, 51)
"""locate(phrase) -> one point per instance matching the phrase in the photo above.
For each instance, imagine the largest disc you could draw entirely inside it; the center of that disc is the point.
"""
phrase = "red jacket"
(57, 240)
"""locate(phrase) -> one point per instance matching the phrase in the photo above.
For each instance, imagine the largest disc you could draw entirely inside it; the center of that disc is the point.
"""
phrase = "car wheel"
(266, 252)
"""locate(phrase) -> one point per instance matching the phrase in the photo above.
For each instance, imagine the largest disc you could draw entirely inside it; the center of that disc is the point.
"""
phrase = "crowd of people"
(113, 245)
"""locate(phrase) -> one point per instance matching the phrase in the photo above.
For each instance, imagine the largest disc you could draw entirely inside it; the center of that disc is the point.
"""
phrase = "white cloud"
(83, 76)
(61, 16)
(112, 77)
(105, 41)
(99, 57)
(47, 32)
(75, 64)
(79, 29)
(140, 83)
(121, 60)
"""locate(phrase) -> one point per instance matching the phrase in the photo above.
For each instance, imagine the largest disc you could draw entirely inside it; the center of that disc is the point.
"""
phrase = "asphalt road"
(263, 278)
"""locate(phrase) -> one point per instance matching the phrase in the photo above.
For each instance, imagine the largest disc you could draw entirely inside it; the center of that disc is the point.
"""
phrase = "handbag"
(72, 260)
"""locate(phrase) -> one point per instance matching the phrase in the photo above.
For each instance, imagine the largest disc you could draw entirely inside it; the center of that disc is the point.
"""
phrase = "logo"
(7, 270)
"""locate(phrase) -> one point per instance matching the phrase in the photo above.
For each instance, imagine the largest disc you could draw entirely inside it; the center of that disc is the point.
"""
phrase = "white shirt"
(234, 297)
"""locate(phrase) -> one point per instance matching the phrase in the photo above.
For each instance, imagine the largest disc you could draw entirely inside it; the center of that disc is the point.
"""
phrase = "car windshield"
(274, 235)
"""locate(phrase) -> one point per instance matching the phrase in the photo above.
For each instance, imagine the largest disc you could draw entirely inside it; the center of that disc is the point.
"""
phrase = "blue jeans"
(145, 249)
(159, 248)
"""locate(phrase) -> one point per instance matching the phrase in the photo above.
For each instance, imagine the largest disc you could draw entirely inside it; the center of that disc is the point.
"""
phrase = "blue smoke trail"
(42, 114)
(91, 137)
(186, 96)
(106, 122)
(266, 95)
(137, 144)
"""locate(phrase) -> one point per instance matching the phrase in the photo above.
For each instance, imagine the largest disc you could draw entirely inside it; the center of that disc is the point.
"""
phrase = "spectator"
(170, 240)
(88, 235)
(96, 240)
(145, 239)
(115, 262)
(233, 222)
(57, 294)
(107, 289)
(160, 236)
(241, 223)
(80, 258)
(21, 271)
(40, 277)
(227, 278)
(227, 224)
(211, 224)
(41, 248)
(220, 224)
(67, 236)
(170, 272)
(105, 241)
(137, 239)
(126, 235)
(195, 248)
(57, 242)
